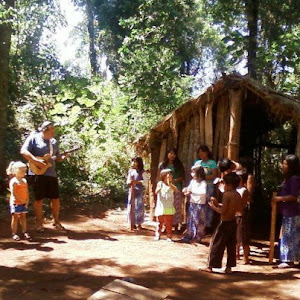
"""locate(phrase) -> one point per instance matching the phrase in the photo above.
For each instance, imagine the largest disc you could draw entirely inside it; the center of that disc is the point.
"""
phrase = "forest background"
(157, 55)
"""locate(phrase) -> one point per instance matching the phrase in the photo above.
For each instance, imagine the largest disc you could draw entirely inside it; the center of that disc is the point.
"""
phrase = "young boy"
(225, 235)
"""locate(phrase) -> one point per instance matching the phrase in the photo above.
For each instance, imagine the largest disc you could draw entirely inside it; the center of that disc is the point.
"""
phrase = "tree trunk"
(252, 18)
(5, 42)
(91, 31)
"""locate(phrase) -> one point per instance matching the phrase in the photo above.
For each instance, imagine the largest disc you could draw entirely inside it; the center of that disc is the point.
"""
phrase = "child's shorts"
(18, 209)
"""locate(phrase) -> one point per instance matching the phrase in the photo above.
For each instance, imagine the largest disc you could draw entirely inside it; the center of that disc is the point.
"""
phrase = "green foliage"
(160, 43)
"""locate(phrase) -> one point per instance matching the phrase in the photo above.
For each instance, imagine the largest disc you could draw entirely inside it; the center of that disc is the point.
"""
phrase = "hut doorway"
(267, 140)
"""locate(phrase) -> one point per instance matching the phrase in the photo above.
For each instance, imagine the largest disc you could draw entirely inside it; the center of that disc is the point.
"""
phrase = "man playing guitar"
(36, 146)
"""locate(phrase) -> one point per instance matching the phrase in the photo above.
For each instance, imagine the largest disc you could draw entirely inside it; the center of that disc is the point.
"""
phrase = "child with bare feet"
(243, 222)
(225, 234)
(164, 209)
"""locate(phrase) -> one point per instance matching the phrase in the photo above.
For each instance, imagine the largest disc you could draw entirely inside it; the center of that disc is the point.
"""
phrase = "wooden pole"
(297, 152)
(235, 106)
(273, 227)
(132, 207)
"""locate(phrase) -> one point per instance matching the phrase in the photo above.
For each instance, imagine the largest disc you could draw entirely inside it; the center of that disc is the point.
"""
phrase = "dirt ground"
(98, 248)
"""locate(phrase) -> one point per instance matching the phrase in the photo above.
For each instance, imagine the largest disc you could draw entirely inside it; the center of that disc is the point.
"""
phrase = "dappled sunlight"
(95, 251)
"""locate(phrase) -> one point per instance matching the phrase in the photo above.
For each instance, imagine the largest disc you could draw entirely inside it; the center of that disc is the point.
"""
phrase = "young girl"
(196, 214)
(136, 180)
(173, 163)
(19, 198)
(165, 209)
(211, 173)
(225, 234)
(290, 210)
(243, 219)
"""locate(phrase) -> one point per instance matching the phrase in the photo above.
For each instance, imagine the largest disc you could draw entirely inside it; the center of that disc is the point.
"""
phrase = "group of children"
(231, 202)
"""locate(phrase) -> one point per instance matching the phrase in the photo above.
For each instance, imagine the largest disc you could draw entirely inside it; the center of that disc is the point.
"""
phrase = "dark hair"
(293, 165)
(200, 173)
(247, 163)
(243, 175)
(140, 164)
(177, 163)
(204, 148)
(164, 174)
(225, 164)
(232, 179)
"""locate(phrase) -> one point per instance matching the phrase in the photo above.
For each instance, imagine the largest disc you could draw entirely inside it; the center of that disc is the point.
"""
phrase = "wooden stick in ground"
(272, 229)
(132, 207)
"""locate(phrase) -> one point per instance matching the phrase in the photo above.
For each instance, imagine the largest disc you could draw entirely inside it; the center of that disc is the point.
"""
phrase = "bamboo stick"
(273, 228)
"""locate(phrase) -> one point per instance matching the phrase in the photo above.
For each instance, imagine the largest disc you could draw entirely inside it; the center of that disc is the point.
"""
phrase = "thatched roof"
(279, 105)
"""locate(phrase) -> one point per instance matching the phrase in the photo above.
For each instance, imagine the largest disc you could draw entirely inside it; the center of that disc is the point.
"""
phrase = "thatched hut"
(232, 117)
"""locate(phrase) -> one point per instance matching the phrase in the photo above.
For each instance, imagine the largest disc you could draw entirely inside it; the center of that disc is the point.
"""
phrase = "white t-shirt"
(198, 191)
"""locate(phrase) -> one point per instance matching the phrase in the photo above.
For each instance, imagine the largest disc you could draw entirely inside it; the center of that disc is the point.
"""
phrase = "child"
(196, 215)
(225, 234)
(19, 198)
(243, 222)
(165, 209)
(136, 180)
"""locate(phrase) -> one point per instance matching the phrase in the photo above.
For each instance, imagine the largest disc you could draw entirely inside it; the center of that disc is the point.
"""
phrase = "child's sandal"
(16, 237)
(26, 236)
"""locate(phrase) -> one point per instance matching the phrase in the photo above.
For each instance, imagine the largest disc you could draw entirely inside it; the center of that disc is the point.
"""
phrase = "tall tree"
(262, 32)
(251, 7)
(6, 9)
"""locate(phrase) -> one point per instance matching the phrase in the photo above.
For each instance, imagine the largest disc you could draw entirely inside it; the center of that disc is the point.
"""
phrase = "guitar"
(46, 158)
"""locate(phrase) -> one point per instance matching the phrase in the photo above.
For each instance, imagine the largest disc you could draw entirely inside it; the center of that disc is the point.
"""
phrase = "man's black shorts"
(44, 187)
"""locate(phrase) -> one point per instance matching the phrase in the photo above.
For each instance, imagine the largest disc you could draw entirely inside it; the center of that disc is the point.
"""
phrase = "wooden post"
(184, 159)
(196, 135)
(208, 125)
(155, 160)
(162, 154)
(297, 151)
(218, 128)
(235, 105)
(151, 200)
(273, 228)
(201, 125)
